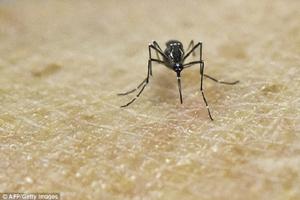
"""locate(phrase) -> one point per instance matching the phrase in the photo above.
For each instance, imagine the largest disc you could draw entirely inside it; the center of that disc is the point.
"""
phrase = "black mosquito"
(173, 57)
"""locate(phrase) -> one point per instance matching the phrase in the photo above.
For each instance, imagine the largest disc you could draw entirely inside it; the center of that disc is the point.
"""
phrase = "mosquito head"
(177, 67)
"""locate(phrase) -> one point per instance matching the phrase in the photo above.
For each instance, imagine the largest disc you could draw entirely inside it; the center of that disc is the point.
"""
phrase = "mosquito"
(174, 57)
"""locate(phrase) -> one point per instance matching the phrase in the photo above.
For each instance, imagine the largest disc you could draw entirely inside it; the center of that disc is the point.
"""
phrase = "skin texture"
(62, 130)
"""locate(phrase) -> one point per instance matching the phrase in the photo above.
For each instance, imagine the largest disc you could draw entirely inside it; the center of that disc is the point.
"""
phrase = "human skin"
(62, 129)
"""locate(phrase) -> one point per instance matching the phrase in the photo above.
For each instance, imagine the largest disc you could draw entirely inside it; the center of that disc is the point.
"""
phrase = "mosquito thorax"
(174, 52)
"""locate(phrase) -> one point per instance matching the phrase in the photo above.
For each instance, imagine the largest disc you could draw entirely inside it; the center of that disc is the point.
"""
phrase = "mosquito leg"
(157, 46)
(201, 88)
(219, 81)
(131, 91)
(207, 76)
(191, 44)
(200, 44)
(191, 64)
(158, 51)
(201, 83)
(145, 82)
(216, 80)
(193, 49)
